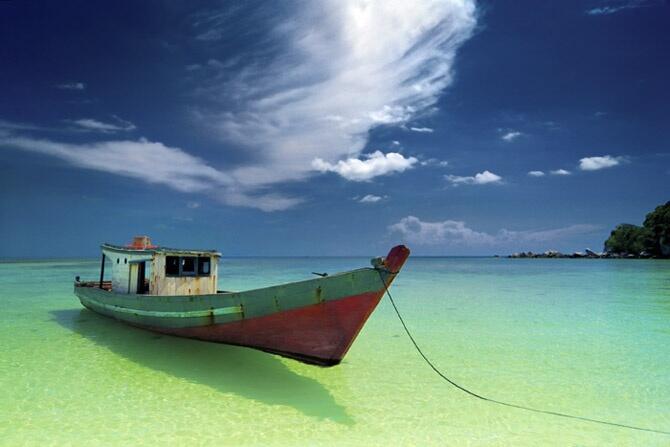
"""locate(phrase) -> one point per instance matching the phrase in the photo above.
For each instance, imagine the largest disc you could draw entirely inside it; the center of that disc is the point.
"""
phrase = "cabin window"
(204, 264)
(172, 266)
(188, 266)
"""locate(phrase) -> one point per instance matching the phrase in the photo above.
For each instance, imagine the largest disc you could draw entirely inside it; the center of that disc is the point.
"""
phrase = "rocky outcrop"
(587, 253)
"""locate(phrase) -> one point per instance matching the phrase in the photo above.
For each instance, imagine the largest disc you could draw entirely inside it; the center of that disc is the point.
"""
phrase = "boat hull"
(319, 334)
(314, 321)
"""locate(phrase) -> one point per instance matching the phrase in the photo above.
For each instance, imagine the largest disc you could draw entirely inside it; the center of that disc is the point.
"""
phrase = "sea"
(585, 337)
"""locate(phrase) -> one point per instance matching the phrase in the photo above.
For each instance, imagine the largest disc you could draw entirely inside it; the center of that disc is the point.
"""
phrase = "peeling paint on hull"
(320, 334)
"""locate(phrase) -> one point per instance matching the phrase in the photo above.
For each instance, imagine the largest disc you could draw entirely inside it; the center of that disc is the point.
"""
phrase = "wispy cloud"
(421, 129)
(371, 198)
(416, 231)
(599, 162)
(482, 178)
(305, 103)
(14, 126)
(536, 173)
(434, 162)
(560, 172)
(155, 163)
(72, 86)
(511, 136)
(141, 159)
(342, 68)
(92, 125)
(371, 166)
(614, 6)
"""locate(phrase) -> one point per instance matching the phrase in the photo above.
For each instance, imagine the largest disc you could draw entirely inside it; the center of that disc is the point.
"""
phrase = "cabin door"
(141, 272)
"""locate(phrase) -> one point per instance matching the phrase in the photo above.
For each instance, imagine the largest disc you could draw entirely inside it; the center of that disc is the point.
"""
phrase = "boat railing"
(106, 285)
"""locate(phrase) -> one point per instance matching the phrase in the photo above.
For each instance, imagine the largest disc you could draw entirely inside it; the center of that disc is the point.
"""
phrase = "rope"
(499, 402)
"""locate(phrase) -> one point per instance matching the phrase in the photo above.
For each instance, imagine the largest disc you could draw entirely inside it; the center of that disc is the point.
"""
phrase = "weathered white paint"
(120, 263)
(159, 284)
(132, 282)
(123, 264)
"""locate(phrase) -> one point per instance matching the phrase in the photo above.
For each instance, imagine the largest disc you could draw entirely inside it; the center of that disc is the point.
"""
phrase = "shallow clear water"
(587, 337)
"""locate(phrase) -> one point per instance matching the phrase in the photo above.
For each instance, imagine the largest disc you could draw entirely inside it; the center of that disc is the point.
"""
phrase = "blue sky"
(333, 127)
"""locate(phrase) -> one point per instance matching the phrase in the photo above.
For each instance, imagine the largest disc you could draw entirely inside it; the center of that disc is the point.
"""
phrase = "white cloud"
(333, 72)
(192, 205)
(421, 129)
(416, 231)
(154, 163)
(343, 68)
(510, 136)
(482, 178)
(92, 125)
(536, 173)
(434, 162)
(373, 165)
(10, 126)
(72, 86)
(141, 159)
(596, 163)
(419, 232)
(371, 198)
(559, 172)
(615, 6)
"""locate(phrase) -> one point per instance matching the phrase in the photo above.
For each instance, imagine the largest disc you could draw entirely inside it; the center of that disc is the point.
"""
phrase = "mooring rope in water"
(499, 402)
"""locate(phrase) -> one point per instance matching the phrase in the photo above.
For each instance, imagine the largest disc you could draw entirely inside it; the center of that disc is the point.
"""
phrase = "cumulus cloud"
(536, 173)
(421, 129)
(72, 86)
(371, 198)
(92, 125)
(511, 136)
(372, 165)
(155, 163)
(414, 230)
(482, 178)
(342, 68)
(560, 172)
(601, 162)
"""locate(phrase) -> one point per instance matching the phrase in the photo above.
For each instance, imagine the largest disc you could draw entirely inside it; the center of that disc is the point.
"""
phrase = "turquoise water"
(588, 337)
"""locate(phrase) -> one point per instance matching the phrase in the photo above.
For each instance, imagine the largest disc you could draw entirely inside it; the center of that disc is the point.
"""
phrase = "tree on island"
(627, 239)
(657, 223)
(652, 238)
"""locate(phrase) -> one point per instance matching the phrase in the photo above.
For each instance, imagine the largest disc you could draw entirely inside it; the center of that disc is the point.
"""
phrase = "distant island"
(651, 240)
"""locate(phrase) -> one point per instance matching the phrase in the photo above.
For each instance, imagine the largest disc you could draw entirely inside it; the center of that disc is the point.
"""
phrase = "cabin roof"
(161, 250)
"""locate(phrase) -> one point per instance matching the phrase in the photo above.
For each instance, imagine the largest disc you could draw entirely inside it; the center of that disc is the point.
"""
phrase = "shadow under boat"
(228, 369)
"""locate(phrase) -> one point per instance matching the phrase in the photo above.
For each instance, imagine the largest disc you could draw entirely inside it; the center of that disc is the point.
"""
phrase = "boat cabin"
(144, 268)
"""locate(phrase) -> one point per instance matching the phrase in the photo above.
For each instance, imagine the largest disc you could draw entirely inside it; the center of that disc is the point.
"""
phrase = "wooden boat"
(174, 291)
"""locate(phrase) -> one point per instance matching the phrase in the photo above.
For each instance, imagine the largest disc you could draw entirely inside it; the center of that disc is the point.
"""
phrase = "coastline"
(586, 254)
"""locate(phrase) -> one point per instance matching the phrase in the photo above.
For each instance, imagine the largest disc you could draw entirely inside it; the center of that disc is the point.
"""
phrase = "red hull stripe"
(320, 333)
